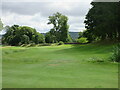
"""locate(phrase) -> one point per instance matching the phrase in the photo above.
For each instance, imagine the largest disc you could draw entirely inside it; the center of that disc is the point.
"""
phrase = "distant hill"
(74, 35)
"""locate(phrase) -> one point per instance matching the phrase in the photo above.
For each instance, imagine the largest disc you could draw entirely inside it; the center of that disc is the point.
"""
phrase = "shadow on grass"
(87, 49)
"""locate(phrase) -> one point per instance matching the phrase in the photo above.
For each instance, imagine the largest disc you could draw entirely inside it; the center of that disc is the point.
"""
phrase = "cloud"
(46, 8)
(106, 0)
(34, 21)
(35, 14)
(47, 1)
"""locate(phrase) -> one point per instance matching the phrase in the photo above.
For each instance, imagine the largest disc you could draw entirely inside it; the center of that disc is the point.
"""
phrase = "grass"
(65, 66)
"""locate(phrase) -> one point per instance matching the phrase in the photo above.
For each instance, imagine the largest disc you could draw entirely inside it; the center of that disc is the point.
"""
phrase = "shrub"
(60, 43)
(95, 59)
(82, 40)
(116, 53)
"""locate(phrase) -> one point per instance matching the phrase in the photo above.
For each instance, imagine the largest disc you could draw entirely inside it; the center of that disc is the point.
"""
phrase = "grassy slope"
(64, 66)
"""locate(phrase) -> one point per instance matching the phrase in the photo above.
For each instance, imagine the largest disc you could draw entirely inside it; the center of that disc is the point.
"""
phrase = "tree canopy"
(59, 32)
(102, 21)
(18, 35)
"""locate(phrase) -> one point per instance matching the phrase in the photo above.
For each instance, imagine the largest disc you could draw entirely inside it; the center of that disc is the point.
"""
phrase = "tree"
(102, 20)
(18, 35)
(82, 40)
(89, 35)
(24, 40)
(118, 20)
(60, 28)
(11, 37)
(49, 38)
(38, 38)
(80, 34)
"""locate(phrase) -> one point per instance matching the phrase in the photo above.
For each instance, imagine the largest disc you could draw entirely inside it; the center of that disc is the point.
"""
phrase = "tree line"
(102, 22)
(19, 35)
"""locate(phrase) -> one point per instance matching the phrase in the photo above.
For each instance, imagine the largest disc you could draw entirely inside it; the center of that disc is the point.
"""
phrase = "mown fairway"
(66, 66)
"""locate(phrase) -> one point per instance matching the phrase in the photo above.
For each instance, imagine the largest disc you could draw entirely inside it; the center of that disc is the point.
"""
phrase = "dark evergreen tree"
(102, 20)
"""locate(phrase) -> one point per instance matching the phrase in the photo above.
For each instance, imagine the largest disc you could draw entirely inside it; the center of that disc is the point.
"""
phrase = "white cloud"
(35, 21)
(35, 14)
(47, 0)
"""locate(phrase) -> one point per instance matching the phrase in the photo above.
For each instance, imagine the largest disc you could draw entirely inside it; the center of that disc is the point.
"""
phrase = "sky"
(35, 13)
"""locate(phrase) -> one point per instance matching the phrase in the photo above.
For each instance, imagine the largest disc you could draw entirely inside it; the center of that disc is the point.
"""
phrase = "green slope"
(66, 66)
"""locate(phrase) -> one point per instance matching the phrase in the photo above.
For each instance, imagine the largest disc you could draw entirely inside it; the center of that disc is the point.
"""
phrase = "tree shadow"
(86, 49)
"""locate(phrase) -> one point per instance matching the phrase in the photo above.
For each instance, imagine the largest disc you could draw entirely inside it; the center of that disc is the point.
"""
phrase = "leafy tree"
(11, 37)
(38, 38)
(27, 31)
(102, 21)
(89, 35)
(18, 35)
(49, 38)
(86, 34)
(82, 40)
(60, 28)
(118, 20)
(80, 34)
(24, 39)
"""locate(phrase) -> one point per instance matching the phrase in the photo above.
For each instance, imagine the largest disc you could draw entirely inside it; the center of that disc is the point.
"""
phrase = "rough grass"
(66, 66)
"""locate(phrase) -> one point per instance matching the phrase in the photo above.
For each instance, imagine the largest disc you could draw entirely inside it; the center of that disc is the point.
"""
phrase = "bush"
(82, 40)
(95, 59)
(60, 43)
(116, 53)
